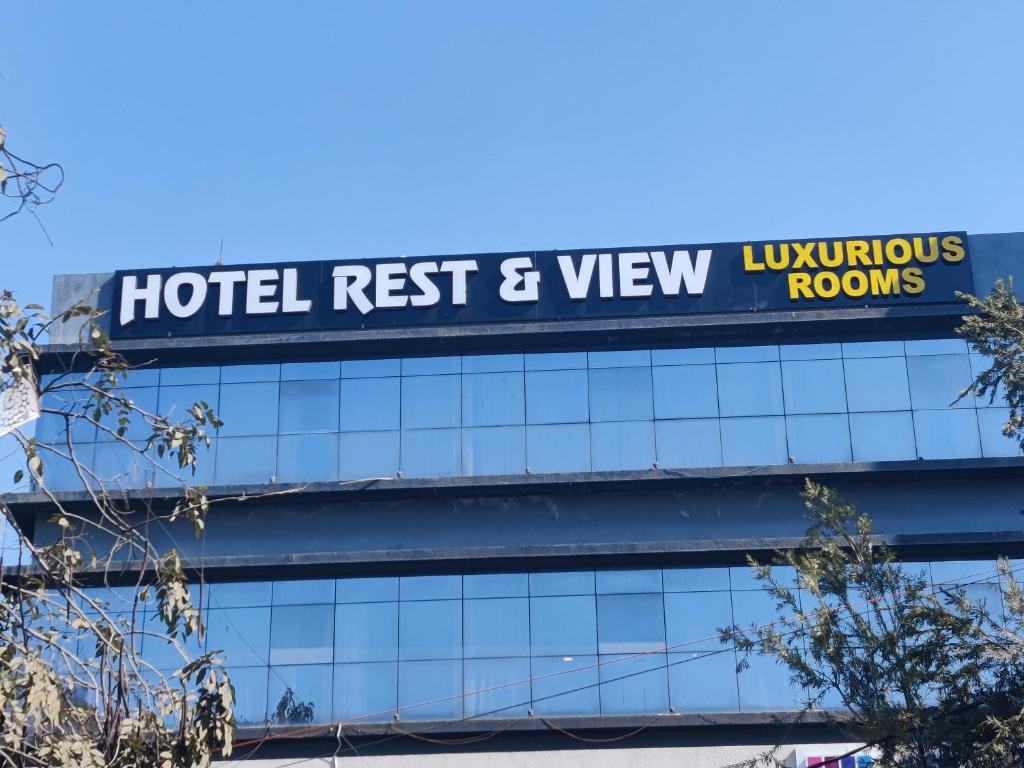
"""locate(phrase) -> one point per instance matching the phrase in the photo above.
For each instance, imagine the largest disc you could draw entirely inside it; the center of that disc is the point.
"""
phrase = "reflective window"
(557, 397)
(749, 389)
(693, 620)
(492, 399)
(949, 434)
(430, 629)
(689, 443)
(243, 634)
(430, 587)
(491, 363)
(877, 384)
(497, 687)
(367, 590)
(138, 427)
(746, 354)
(703, 681)
(883, 436)
(306, 371)
(436, 682)
(820, 439)
(307, 458)
(564, 583)
(234, 594)
(297, 695)
(562, 626)
(309, 406)
(685, 391)
(367, 691)
(359, 369)
(497, 627)
(695, 579)
(370, 404)
(245, 460)
(303, 592)
(431, 452)
(430, 366)
(993, 441)
(368, 454)
(250, 694)
(431, 401)
(705, 355)
(366, 632)
(634, 684)
(301, 634)
(496, 585)
(494, 451)
(754, 441)
(936, 380)
(243, 373)
(566, 685)
(209, 374)
(176, 402)
(621, 394)
(248, 409)
(765, 686)
(814, 386)
(857, 349)
(630, 623)
(624, 582)
(558, 448)
(622, 445)
(811, 351)
(556, 361)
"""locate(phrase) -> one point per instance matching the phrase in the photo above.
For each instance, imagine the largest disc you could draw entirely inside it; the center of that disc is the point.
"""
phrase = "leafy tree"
(74, 688)
(997, 331)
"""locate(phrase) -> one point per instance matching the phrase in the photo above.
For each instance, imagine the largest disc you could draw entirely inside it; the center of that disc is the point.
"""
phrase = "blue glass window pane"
(877, 384)
(431, 401)
(623, 582)
(138, 428)
(494, 451)
(368, 454)
(370, 404)
(749, 389)
(161, 652)
(431, 452)
(504, 686)
(437, 682)
(765, 687)
(301, 634)
(811, 351)
(634, 685)
(564, 583)
(619, 358)
(51, 427)
(622, 445)
(746, 354)
(557, 397)
(882, 436)
(303, 592)
(208, 374)
(558, 448)
(176, 402)
(366, 632)
(936, 380)
(980, 364)
(556, 361)
(695, 579)
(703, 681)
(949, 434)
(963, 571)
(685, 391)
(621, 394)
(692, 620)
(307, 371)
(121, 466)
(744, 578)
(248, 409)
(497, 626)
(366, 693)
(935, 347)
(860, 349)
(309, 406)
(431, 587)
(689, 443)
(756, 607)
(700, 355)
(368, 590)
(630, 623)
(430, 629)
(566, 685)
(754, 441)
(250, 694)
(242, 633)
(993, 441)
(496, 585)
(310, 689)
(246, 460)
(562, 626)
(814, 386)
(819, 439)
(243, 373)
(430, 366)
(491, 363)
(60, 474)
(141, 377)
(359, 369)
(240, 594)
(307, 458)
(493, 399)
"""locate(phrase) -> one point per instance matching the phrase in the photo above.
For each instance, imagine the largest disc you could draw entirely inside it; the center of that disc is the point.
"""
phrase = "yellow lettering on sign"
(952, 249)
(749, 265)
(876, 247)
(826, 285)
(933, 250)
(885, 282)
(913, 281)
(800, 286)
(776, 263)
(829, 258)
(857, 252)
(898, 251)
(804, 256)
(855, 283)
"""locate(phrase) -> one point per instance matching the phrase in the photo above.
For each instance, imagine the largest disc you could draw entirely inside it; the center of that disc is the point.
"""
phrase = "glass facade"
(559, 412)
(606, 642)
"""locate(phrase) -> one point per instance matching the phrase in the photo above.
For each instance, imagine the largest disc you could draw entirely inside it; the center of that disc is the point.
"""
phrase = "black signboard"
(644, 281)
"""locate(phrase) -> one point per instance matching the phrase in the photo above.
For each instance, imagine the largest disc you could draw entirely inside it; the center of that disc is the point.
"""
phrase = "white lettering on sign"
(365, 288)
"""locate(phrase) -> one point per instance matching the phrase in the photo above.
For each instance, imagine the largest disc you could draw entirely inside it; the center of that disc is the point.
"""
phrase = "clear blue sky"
(311, 130)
